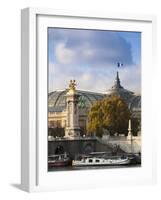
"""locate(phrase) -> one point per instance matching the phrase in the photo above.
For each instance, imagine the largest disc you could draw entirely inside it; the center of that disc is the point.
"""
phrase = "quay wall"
(77, 146)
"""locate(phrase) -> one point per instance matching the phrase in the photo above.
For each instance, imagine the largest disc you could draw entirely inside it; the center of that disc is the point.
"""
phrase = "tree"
(111, 113)
(95, 119)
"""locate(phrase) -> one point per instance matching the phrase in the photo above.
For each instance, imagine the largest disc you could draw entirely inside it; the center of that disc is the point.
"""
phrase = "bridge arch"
(88, 148)
(59, 149)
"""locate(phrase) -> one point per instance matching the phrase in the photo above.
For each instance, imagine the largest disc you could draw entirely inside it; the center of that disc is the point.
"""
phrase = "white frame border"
(29, 173)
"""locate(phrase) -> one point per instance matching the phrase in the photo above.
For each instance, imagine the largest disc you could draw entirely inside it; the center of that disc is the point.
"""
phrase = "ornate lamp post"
(130, 135)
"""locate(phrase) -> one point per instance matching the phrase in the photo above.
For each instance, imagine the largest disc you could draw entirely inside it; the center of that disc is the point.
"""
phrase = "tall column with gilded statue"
(72, 97)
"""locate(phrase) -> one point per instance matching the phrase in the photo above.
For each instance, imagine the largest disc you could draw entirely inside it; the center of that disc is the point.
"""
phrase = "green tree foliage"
(111, 113)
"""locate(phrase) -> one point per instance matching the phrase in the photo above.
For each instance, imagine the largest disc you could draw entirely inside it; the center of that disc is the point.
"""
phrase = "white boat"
(94, 161)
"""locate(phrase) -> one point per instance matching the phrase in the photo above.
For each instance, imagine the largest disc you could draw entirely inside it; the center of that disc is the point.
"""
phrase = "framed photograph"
(86, 106)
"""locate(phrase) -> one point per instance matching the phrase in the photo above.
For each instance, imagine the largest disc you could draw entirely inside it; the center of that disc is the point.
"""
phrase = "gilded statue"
(72, 86)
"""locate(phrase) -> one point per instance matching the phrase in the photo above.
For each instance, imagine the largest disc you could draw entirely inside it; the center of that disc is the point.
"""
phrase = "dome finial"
(117, 81)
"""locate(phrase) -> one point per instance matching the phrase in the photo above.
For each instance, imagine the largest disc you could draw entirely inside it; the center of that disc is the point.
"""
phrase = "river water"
(71, 168)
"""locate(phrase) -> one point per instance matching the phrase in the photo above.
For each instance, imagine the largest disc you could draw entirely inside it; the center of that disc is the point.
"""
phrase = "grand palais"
(57, 105)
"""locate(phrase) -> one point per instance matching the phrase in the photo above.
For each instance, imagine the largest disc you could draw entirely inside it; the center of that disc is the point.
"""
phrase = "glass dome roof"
(57, 99)
(135, 103)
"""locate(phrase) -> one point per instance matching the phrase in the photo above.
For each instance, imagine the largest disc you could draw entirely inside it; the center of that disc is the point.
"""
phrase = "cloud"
(64, 55)
(74, 46)
(93, 80)
(131, 78)
(90, 57)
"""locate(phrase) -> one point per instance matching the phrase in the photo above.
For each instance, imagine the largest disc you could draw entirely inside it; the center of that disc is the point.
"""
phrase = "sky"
(91, 56)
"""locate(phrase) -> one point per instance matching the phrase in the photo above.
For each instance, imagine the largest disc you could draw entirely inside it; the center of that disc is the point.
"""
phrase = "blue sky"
(90, 57)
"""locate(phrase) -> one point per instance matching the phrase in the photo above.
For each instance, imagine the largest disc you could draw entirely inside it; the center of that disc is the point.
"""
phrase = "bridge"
(77, 146)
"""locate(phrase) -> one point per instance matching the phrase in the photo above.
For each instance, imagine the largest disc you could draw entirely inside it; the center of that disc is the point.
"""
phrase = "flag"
(119, 64)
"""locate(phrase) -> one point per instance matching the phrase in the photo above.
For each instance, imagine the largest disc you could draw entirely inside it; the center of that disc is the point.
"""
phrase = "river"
(71, 168)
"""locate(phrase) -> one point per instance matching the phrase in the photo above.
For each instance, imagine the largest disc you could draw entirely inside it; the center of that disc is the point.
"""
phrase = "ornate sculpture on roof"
(72, 86)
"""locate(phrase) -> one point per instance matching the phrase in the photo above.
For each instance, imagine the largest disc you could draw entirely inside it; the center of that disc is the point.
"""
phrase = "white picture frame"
(34, 176)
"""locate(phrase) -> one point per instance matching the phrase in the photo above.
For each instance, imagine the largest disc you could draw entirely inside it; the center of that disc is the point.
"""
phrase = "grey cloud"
(94, 47)
(89, 54)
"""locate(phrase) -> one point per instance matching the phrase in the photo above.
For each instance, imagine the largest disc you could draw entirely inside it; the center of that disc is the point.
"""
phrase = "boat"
(96, 161)
(98, 153)
(59, 160)
(135, 158)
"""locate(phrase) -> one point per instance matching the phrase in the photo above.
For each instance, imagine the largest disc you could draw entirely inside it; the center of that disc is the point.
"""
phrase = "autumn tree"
(95, 119)
(111, 113)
